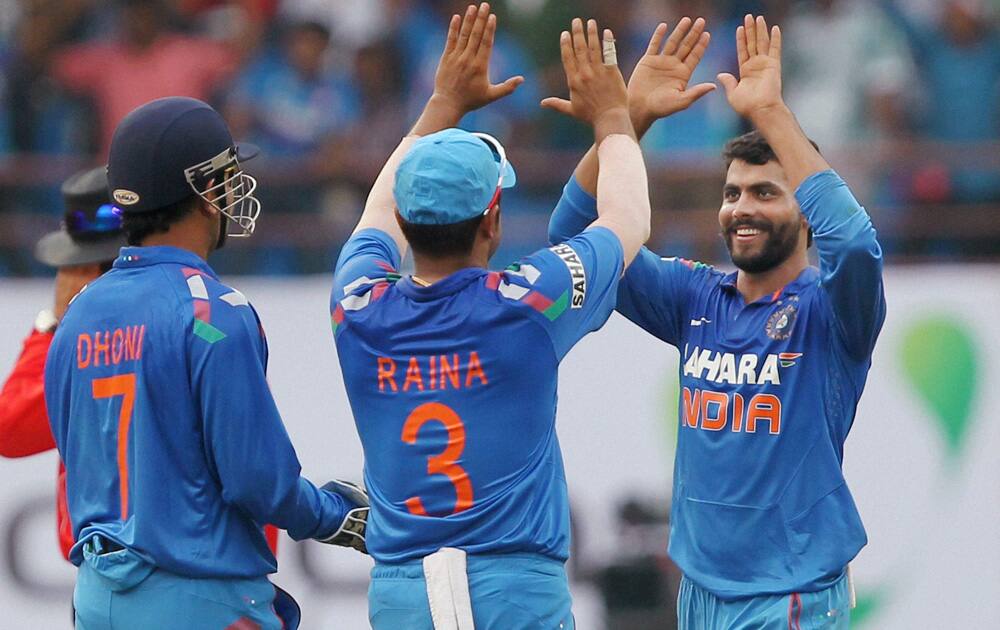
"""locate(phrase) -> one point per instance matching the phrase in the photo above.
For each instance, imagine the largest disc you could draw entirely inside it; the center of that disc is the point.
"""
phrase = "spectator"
(297, 108)
(959, 58)
(289, 102)
(380, 81)
(145, 62)
(244, 22)
(873, 67)
(352, 24)
(41, 117)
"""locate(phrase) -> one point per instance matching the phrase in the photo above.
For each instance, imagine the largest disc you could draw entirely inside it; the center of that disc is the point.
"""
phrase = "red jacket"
(24, 427)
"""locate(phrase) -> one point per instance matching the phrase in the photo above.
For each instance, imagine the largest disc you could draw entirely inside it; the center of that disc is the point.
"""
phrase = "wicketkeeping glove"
(351, 532)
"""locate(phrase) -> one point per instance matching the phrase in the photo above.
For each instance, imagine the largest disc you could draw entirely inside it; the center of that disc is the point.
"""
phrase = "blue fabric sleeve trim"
(575, 211)
(850, 259)
(383, 238)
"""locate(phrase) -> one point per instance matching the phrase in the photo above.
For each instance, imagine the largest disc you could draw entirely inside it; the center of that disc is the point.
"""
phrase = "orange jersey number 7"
(122, 385)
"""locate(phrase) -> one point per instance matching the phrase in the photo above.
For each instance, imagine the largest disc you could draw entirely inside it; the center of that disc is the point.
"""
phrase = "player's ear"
(206, 208)
(490, 226)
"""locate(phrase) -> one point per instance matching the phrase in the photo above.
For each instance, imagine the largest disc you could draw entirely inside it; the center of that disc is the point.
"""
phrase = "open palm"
(659, 84)
(759, 56)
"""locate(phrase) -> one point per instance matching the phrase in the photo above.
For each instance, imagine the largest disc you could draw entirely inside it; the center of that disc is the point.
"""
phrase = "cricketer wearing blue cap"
(774, 356)
(452, 371)
(155, 385)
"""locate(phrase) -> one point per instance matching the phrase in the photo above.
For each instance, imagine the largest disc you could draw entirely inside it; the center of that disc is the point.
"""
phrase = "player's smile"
(748, 233)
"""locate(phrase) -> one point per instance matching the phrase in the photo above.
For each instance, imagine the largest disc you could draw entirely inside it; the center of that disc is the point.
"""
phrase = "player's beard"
(779, 246)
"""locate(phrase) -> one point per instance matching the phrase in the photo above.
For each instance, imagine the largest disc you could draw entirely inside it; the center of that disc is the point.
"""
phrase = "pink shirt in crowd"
(120, 78)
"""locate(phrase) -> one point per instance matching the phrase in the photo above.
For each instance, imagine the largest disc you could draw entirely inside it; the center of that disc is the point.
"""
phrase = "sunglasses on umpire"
(107, 219)
(501, 157)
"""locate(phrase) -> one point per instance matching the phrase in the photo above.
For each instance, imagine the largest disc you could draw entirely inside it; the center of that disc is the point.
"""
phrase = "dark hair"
(139, 226)
(442, 241)
(752, 148)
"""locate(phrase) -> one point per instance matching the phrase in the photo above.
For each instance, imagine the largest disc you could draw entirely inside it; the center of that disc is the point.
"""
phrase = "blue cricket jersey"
(156, 392)
(453, 388)
(768, 394)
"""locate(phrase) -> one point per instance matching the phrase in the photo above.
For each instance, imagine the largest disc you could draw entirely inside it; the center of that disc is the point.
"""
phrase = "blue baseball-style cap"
(451, 176)
(157, 143)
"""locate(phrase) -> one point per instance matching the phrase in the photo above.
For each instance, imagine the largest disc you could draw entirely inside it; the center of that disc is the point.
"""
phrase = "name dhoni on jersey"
(434, 372)
(109, 347)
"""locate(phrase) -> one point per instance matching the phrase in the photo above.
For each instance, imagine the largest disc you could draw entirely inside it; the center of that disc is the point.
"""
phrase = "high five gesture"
(462, 81)
(659, 84)
(759, 56)
(597, 92)
(461, 85)
(757, 97)
(598, 96)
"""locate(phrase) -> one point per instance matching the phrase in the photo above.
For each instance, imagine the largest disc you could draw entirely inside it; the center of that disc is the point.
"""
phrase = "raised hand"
(462, 80)
(595, 89)
(659, 84)
(759, 87)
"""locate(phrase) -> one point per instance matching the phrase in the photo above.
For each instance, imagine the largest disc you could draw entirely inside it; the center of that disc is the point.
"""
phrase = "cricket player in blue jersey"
(773, 357)
(155, 386)
(451, 372)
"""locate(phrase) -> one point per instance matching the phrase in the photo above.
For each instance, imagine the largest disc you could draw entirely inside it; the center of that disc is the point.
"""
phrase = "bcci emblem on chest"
(781, 322)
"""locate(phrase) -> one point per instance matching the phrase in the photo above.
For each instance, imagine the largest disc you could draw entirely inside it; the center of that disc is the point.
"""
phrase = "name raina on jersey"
(713, 411)
(434, 372)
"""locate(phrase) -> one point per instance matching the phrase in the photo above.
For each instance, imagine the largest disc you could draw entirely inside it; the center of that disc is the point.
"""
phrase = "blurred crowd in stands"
(903, 96)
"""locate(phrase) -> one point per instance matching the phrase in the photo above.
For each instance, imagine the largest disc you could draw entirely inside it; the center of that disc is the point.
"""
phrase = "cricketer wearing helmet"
(774, 356)
(451, 372)
(155, 385)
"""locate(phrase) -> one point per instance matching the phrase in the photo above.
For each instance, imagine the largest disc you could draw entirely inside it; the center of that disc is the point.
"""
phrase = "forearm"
(798, 157)
(587, 170)
(380, 207)
(439, 113)
(622, 188)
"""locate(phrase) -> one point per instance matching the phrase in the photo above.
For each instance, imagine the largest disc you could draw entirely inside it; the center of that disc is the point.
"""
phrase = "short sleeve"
(369, 255)
(570, 287)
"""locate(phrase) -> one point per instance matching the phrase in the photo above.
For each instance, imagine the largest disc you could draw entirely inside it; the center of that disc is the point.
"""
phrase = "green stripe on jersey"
(558, 307)
(208, 332)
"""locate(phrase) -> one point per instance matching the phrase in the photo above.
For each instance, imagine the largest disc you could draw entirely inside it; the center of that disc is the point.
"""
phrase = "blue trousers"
(118, 590)
(508, 592)
(829, 609)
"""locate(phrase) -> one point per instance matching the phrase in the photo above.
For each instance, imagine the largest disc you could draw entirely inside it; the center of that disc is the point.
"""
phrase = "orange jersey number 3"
(443, 463)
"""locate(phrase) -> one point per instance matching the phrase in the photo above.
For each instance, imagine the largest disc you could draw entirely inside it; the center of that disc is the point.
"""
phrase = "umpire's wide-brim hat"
(91, 230)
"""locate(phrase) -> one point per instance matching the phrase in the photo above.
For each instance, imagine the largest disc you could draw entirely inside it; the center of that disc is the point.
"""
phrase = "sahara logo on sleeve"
(577, 274)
